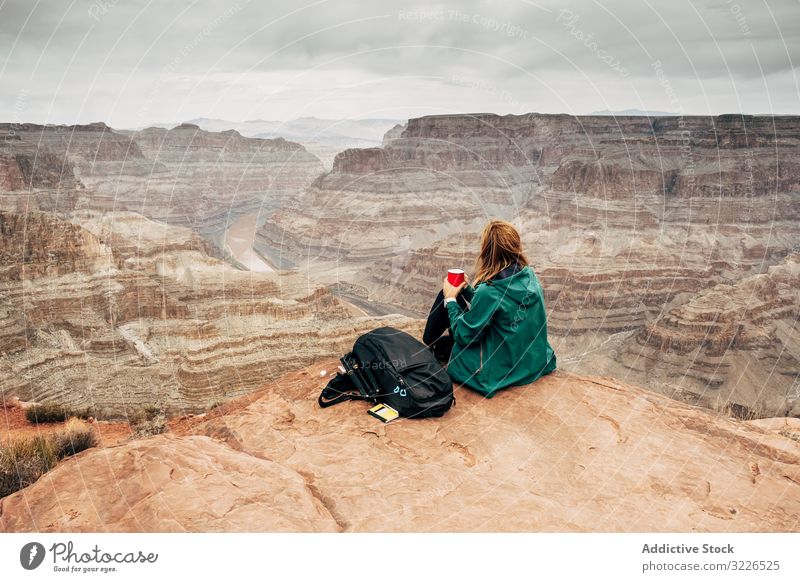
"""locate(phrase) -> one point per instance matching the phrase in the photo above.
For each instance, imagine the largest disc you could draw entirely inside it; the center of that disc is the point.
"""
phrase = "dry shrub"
(148, 422)
(43, 413)
(795, 436)
(23, 460)
(76, 436)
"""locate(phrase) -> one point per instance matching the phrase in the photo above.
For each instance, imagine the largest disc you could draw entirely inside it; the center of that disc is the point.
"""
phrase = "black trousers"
(437, 334)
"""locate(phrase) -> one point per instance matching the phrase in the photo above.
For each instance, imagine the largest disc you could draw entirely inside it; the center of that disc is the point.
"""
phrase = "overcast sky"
(135, 62)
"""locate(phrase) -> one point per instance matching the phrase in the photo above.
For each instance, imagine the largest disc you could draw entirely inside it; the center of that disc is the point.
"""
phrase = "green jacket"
(501, 340)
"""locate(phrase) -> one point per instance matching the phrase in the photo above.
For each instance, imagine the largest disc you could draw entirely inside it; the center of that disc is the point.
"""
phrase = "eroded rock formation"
(115, 312)
(183, 176)
(629, 222)
(737, 345)
(624, 219)
(566, 454)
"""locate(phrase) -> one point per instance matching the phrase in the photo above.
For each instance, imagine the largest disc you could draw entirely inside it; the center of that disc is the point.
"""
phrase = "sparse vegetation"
(743, 412)
(149, 421)
(24, 460)
(790, 435)
(75, 437)
(43, 413)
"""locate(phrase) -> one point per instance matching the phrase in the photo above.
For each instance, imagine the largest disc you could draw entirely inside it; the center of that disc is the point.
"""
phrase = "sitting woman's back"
(501, 339)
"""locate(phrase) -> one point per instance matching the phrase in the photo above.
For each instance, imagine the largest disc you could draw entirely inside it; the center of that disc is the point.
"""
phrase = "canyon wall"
(623, 218)
(681, 177)
(114, 312)
(747, 332)
(183, 176)
(629, 222)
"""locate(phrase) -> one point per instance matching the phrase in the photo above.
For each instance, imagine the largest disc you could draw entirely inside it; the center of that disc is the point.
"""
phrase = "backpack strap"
(338, 389)
(341, 398)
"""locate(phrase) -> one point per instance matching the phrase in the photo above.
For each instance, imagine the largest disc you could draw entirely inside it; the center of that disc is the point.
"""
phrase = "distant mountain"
(322, 137)
(307, 127)
(637, 112)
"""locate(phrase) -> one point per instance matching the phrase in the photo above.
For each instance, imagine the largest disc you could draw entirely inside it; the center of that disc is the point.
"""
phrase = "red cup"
(455, 277)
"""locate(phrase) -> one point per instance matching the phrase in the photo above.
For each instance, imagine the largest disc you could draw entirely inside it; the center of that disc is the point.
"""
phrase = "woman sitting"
(497, 326)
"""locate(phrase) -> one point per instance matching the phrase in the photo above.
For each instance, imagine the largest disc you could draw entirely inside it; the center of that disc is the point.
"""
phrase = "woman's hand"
(450, 290)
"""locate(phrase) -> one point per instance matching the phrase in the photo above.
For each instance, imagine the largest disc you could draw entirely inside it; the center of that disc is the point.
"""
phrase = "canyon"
(183, 176)
(627, 222)
(640, 229)
(114, 312)
(217, 278)
(114, 292)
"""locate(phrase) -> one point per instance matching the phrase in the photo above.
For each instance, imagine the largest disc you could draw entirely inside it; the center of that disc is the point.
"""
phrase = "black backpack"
(391, 367)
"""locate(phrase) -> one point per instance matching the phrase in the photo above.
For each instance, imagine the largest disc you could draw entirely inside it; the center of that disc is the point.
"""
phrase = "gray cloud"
(135, 62)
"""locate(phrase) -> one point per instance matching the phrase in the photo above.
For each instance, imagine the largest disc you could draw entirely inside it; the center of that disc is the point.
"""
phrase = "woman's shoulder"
(484, 289)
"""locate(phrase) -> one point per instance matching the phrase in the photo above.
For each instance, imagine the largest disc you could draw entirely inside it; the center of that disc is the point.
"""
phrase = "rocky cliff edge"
(568, 453)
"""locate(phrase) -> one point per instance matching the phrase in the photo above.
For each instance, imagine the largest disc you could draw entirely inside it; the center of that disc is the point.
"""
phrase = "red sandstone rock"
(168, 484)
(568, 453)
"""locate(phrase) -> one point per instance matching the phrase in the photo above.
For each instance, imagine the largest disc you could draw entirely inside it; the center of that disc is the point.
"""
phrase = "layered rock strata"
(183, 176)
(737, 346)
(130, 312)
(623, 218)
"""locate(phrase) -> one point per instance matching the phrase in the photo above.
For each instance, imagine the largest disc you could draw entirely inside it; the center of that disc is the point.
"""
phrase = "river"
(239, 240)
